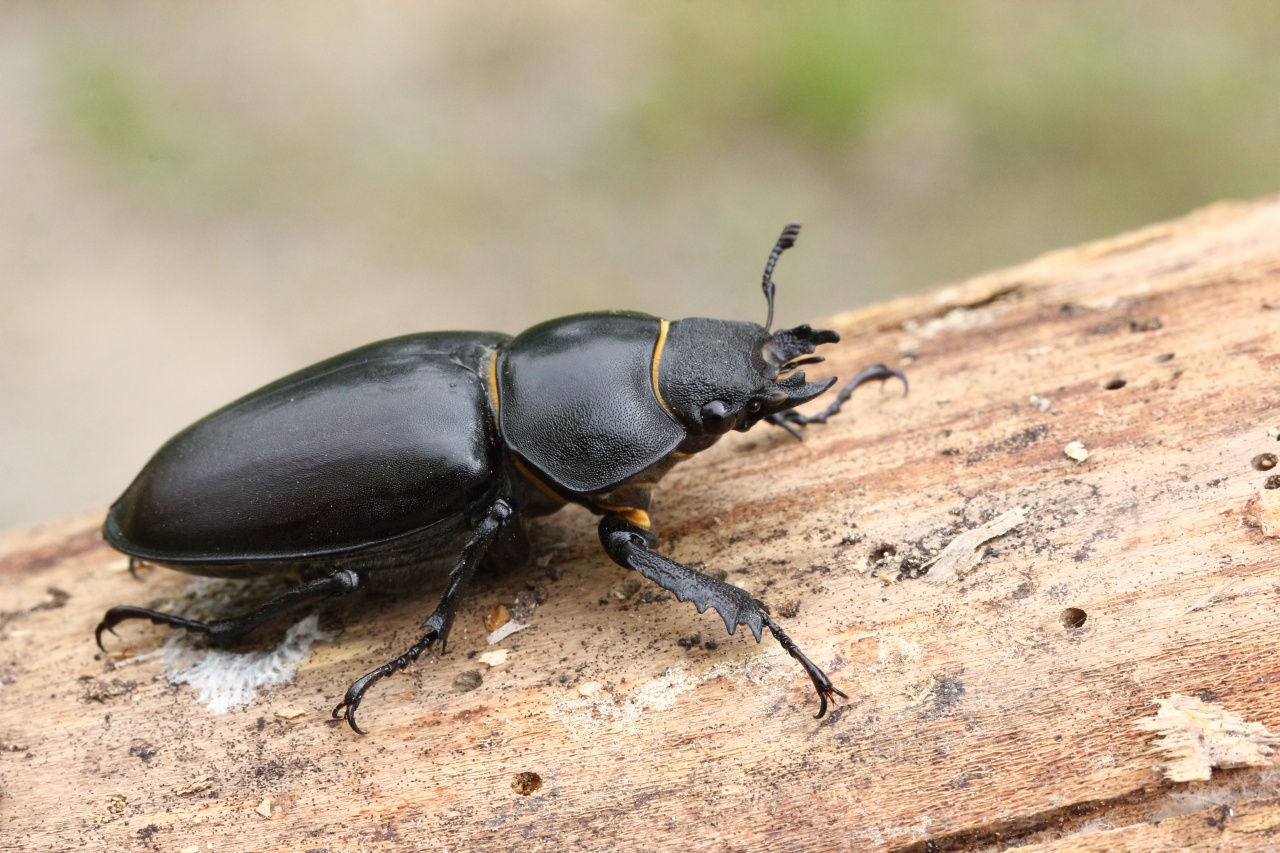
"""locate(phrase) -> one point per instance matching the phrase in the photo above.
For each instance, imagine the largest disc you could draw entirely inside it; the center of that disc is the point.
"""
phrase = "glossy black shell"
(578, 402)
(376, 444)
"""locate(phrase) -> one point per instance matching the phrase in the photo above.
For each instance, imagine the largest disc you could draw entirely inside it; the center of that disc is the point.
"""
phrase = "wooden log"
(996, 706)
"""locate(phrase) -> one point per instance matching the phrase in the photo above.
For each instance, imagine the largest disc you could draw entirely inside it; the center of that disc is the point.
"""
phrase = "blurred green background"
(198, 198)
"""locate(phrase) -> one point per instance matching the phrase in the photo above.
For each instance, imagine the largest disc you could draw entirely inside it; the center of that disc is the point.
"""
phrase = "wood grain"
(975, 717)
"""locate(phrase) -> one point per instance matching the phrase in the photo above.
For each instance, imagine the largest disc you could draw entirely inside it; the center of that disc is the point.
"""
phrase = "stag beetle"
(431, 451)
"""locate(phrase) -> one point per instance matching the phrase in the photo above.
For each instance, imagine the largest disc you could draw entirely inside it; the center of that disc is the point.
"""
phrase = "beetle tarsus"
(437, 625)
(120, 613)
(346, 709)
(870, 373)
(826, 690)
(225, 631)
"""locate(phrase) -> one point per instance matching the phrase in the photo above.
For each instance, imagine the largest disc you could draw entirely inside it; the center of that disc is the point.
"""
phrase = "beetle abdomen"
(365, 447)
(578, 403)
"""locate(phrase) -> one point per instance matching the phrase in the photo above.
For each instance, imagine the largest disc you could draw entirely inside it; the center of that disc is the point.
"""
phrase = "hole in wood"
(882, 552)
(1273, 482)
(1073, 617)
(881, 556)
(526, 783)
(1115, 384)
(1264, 462)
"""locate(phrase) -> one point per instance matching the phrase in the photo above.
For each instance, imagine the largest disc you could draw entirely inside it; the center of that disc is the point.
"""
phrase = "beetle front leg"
(438, 624)
(871, 373)
(630, 547)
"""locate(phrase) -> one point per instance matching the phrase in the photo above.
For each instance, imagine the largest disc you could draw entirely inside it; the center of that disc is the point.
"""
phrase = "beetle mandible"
(388, 461)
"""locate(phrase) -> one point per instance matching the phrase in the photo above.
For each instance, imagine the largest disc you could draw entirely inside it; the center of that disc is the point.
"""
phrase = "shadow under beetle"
(377, 465)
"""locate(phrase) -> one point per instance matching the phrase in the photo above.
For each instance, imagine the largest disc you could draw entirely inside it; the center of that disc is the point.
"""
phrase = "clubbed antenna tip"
(785, 241)
(789, 235)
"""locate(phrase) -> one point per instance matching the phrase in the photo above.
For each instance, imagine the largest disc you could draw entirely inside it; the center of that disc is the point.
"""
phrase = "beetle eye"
(715, 418)
(753, 406)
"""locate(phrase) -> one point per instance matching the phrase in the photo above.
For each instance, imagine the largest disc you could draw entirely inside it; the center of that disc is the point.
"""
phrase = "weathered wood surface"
(974, 716)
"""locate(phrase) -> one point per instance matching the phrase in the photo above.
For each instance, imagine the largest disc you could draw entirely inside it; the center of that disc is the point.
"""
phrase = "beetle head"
(719, 375)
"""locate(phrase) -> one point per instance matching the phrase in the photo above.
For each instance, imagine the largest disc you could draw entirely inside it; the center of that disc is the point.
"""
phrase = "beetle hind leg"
(437, 625)
(629, 546)
(225, 631)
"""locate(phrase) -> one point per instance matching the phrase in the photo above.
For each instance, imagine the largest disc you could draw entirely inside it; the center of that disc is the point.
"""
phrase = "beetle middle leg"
(629, 545)
(225, 631)
(790, 418)
(437, 625)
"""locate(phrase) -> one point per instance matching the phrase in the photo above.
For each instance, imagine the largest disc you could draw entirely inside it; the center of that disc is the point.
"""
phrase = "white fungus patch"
(224, 680)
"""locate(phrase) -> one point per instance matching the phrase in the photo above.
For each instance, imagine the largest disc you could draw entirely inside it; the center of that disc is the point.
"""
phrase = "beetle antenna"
(785, 241)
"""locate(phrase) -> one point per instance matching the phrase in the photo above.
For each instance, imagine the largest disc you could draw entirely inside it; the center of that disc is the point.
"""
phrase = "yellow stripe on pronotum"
(493, 383)
(663, 325)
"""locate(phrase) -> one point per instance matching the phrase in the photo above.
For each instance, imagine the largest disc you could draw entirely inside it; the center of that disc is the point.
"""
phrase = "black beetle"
(380, 464)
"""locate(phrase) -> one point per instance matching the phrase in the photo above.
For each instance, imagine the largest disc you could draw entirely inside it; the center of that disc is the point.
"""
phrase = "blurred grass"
(814, 74)
(1126, 112)
(161, 140)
